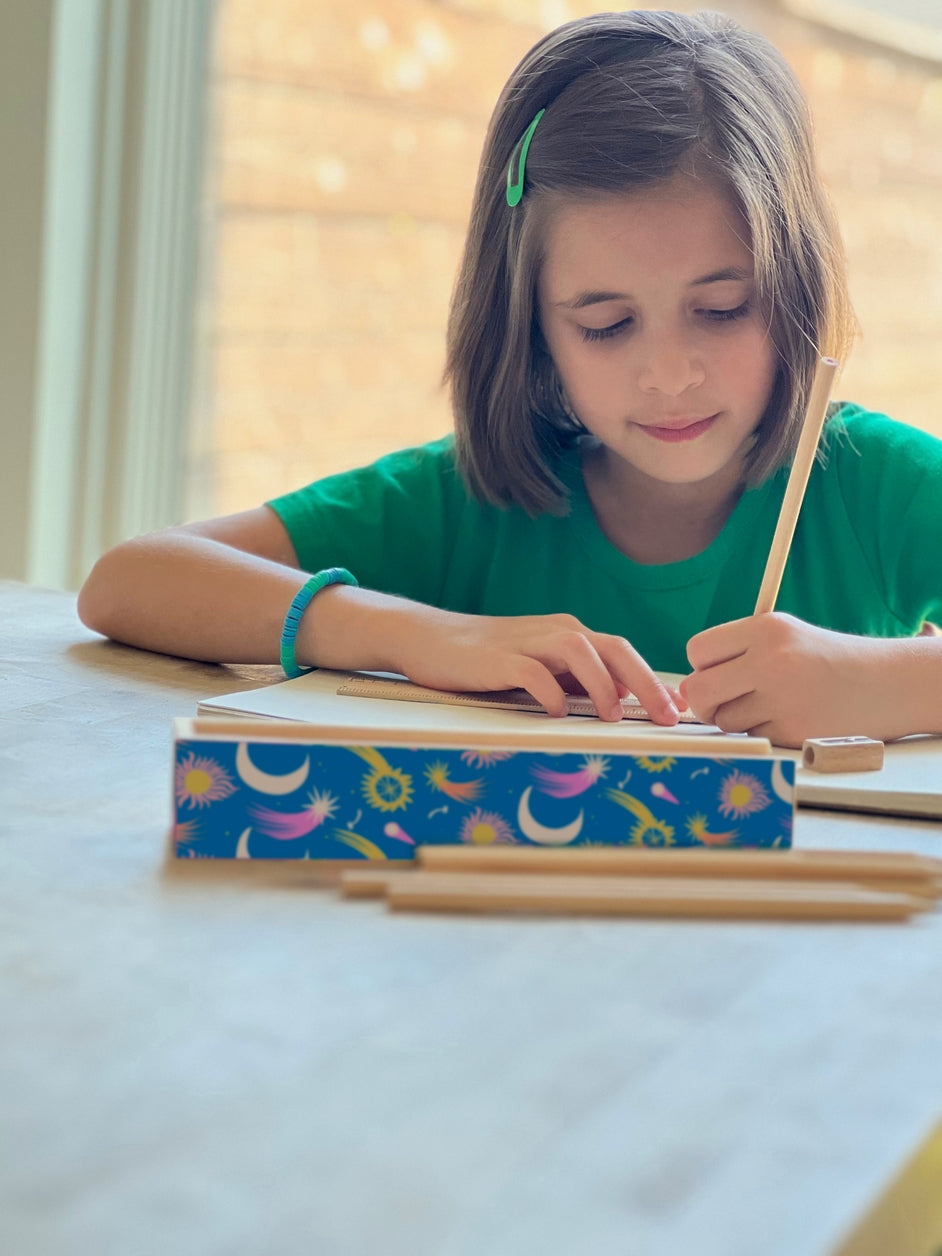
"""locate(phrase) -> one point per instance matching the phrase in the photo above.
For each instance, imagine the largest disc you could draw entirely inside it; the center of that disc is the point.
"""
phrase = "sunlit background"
(235, 224)
(339, 173)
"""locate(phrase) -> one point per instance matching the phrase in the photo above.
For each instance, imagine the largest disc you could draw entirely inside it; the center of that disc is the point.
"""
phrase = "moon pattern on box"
(235, 800)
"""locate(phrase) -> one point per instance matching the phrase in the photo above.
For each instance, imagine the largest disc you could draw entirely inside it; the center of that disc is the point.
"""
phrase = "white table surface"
(195, 1066)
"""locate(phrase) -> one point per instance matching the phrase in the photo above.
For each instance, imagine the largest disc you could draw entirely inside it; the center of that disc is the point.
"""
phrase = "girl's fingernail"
(616, 712)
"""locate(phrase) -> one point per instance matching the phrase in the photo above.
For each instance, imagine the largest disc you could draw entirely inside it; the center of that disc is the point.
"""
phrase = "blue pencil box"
(283, 790)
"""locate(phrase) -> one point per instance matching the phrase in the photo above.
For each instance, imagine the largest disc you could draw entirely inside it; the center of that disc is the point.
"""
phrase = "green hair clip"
(515, 186)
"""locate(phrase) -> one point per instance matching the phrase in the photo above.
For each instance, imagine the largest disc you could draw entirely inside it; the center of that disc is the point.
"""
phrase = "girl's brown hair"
(631, 99)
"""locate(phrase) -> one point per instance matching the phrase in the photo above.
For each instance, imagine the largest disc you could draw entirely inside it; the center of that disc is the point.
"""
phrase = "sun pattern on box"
(274, 800)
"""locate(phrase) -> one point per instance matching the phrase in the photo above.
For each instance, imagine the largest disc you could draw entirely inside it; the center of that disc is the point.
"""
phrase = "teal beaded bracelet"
(331, 575)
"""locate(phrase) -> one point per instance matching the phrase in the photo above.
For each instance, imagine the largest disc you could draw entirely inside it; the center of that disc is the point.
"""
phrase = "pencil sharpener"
(842, 754)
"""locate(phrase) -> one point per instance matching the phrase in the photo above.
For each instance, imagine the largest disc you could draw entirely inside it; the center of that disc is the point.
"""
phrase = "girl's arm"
(779, 677)
(217, 590)
(220, 591)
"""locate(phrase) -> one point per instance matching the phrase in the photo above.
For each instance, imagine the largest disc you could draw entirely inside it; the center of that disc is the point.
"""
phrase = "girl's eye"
(725, 316)
(605, 333)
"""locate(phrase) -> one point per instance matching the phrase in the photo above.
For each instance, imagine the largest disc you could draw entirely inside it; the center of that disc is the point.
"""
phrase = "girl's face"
(647, 304)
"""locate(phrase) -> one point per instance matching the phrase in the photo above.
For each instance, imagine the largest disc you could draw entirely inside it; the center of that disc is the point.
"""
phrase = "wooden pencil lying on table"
(780, 885)
(883, 870)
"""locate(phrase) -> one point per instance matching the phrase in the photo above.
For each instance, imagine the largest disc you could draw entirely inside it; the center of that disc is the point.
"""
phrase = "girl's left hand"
(778, 677)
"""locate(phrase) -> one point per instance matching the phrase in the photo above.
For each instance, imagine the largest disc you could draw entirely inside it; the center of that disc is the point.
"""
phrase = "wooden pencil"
(913, 873)
(734, 861)
(797, 483)
(647, 896)
(888, 871)
(372, 882)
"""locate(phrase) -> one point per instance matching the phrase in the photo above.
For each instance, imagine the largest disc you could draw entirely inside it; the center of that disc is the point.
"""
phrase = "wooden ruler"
(500, 699)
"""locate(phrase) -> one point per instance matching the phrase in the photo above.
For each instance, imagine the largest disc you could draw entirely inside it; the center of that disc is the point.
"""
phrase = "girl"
(650, 275)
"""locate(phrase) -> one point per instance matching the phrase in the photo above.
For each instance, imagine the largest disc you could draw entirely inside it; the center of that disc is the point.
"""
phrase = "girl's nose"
(669, 366)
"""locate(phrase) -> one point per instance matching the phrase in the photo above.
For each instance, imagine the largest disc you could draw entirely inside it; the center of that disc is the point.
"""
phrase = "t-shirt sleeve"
(389, 523)
(891, 481)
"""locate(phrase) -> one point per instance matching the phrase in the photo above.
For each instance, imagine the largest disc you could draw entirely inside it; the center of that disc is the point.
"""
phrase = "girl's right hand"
(547, 655)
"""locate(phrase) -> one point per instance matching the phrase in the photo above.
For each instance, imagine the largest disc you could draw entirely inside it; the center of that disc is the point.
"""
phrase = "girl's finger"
(578, 655)
(741, 714)
(537, 679)
(720, 644)
(678, 697)
(630, 668)
(719, 686)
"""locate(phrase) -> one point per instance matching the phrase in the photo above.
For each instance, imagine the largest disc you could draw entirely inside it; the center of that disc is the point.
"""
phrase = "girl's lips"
(690, 432)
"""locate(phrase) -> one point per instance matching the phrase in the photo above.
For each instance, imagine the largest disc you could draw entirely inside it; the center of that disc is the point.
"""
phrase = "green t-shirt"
(866, 557)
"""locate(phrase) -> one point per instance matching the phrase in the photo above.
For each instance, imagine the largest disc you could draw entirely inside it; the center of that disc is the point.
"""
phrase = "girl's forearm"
(353, 629)
(181, 592)
(917, 670)
(898, 687)
(189, 595)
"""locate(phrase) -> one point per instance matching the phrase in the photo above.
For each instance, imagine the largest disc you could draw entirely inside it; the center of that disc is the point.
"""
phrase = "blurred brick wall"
(343, 149)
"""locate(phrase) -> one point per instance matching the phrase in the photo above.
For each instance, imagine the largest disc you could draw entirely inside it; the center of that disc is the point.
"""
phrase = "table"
(218, 1067)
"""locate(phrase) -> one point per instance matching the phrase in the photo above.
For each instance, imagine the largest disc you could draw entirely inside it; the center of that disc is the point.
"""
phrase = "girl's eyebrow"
(599, 297)
(592, 298)
(723, 276)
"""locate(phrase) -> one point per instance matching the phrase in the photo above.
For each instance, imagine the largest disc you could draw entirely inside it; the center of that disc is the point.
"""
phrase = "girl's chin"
(679, 470)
